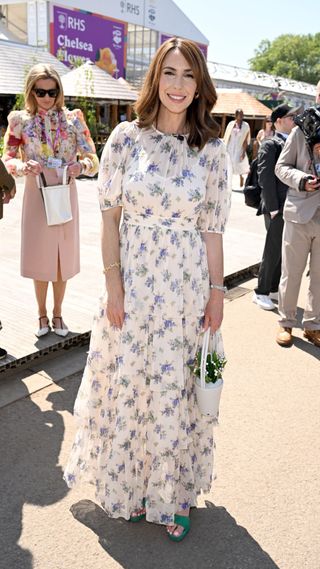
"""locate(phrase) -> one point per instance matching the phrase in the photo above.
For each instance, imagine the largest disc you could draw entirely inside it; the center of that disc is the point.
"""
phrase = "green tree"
(293, 56)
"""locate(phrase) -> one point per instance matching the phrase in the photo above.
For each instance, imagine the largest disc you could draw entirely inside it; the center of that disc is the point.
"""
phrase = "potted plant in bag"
(207, 368)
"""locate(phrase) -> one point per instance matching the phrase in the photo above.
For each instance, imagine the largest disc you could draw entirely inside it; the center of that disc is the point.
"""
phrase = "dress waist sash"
(173, 223)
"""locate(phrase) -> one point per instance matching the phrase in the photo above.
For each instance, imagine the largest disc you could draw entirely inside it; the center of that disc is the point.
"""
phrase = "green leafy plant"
(214, 366)
(19, 102)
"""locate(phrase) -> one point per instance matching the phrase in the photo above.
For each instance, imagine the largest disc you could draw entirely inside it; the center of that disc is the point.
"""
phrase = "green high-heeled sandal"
(183, 521)
(139, 517)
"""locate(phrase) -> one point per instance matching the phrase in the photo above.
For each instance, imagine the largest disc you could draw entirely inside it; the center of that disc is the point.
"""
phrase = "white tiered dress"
(140, 434)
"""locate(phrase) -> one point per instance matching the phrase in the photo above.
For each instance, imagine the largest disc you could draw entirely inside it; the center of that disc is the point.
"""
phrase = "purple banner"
(202, 46)
(77, 37)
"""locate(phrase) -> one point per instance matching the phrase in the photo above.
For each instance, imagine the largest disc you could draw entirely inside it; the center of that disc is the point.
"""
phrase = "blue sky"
(235, 29)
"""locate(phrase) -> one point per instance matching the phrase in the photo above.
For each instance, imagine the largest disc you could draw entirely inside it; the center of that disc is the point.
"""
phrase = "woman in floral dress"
(46, 137)
(141, 438)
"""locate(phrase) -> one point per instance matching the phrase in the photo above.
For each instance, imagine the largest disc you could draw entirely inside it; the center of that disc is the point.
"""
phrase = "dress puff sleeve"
(85, 145)
(215, 211)
(12, 154)
(112, 167)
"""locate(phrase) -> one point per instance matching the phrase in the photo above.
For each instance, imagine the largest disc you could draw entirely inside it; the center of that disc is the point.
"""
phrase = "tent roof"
(89, 80)
(231, 99)
(238, 75)
(16, 60)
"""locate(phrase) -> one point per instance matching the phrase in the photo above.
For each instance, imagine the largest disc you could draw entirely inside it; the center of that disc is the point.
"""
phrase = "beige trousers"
(300, 240)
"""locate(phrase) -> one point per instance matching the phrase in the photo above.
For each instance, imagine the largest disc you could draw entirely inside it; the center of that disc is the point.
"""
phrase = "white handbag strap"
(65, 174)
(39, 181)
(204, 354)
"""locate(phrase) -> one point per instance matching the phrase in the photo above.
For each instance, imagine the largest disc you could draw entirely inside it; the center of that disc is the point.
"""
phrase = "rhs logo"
(116, 35)
(129, 8)
(63, 20)
(152, 14)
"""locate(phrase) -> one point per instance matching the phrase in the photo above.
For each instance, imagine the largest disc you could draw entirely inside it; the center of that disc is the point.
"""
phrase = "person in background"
(266, 132)
(301, 237)
(273, 195)
(45, 137)
(7, 192)
(141, 438)
(237, 138)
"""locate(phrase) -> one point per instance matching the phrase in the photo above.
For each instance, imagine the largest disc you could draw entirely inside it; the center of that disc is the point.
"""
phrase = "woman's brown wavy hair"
(201, 124)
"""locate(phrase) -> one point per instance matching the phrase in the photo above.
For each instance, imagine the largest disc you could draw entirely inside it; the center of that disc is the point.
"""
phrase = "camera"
(309, 122)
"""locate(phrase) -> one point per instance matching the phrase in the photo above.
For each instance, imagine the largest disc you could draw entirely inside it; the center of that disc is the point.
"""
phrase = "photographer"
(297, 168)
(273, 195)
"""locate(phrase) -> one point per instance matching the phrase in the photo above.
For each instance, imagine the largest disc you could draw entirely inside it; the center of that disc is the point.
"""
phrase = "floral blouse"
(55, 133)
(154, 174)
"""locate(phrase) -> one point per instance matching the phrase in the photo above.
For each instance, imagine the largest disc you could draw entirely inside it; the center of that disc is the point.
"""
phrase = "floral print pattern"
(140, 432)
(60, 134)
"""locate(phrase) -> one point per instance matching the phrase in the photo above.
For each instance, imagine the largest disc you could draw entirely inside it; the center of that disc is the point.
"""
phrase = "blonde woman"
(142, 440)
(45, 137)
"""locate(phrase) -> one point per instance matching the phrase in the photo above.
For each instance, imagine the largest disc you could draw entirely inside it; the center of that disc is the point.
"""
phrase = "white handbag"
(56, 200)
(208, 394)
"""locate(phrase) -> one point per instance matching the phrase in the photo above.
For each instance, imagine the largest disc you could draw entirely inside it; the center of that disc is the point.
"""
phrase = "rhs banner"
(77, 37)
(202, 46)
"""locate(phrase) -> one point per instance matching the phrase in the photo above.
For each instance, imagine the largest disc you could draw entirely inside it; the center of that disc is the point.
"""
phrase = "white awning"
(89, 80)
(16, 60)
(160, 15)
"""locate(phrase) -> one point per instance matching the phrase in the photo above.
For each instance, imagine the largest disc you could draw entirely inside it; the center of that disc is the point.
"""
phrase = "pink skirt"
(43, 247)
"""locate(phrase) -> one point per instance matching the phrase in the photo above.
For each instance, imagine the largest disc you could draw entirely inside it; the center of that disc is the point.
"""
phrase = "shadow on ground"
(30, 441)
(215, 540)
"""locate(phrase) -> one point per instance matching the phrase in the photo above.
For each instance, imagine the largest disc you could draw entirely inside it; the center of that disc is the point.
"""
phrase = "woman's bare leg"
(59, 289)
(41, 289)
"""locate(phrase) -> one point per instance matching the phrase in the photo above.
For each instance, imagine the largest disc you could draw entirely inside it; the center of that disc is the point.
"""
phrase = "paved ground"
(263, 512)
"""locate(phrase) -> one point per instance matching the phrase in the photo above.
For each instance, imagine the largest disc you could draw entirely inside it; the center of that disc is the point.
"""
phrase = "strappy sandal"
(139, 517)
(62, 330)
(43, 330)
(183, 521)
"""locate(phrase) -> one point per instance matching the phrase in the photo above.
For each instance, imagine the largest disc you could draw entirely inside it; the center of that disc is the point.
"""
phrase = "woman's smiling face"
(177, 85)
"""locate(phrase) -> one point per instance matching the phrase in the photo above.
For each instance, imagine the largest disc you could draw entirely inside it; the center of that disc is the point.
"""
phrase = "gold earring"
(196, 96)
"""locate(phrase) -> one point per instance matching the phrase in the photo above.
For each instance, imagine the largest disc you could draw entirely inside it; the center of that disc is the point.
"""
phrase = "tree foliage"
(293, 56)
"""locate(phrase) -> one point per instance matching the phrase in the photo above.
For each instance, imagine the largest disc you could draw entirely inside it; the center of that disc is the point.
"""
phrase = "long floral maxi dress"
(140, 432)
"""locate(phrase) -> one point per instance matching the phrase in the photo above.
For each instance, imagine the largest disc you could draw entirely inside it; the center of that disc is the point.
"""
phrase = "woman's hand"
(32, 167)
(114, 299)
(213, 314)
(74, 169)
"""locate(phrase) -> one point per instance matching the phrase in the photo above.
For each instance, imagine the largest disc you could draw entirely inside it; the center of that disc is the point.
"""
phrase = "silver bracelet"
(218, 287)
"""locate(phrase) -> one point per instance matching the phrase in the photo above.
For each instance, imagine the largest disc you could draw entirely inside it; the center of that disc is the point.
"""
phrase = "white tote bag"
(208, 394)
(56, 200)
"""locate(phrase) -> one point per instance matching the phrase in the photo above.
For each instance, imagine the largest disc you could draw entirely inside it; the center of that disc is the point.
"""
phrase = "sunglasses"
(41, 93)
